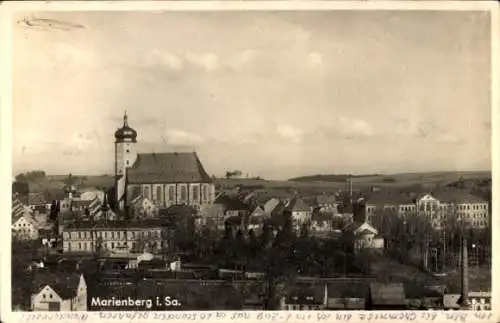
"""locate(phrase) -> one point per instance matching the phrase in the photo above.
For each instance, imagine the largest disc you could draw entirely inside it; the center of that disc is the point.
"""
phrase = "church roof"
(167, 168)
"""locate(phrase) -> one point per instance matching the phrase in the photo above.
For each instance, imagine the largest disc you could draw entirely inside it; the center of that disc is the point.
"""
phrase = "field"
(389, 181)
(320, 182)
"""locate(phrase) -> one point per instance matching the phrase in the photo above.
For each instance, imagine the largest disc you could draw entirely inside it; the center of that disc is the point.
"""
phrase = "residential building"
(439, 207)
(164, 178)
(346, 296)
(25, 227)
(321, 223)
(304, 297)
(300, 212)
(365, 236)
(34, 200)
(210, 216)
(327, 203)
(232, 206)
(480, 301)
(117, 236)
(59, 292)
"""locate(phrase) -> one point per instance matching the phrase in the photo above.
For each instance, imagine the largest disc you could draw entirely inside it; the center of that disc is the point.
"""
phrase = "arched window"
(183, 193)
(158, 194)
(204, 196)
(171, 194)
(196, 193)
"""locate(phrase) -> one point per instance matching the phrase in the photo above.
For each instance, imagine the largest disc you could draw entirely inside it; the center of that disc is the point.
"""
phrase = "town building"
(117, 237)
(346, 296)
(59, 292)
(25, 228)
(304, 297)
(365, 236)
(440, 207)
(300, 212)
(164, 178)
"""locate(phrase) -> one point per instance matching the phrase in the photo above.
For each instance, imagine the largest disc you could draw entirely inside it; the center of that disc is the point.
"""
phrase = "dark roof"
(181, 210)
(117, 224)
(167, 168)
(321, 216)
(326, 200)
(387, 294)
(298, 205)
(348, 290)
(231, 203)
(64, 284)
(81, 203)
(450, 195)
(390, 198)
(234, 220)
(36, 199)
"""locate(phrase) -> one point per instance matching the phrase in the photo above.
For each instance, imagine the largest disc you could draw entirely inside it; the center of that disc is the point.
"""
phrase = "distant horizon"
(290, 178)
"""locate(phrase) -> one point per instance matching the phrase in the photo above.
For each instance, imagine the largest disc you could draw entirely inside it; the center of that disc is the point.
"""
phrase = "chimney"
(464, 295)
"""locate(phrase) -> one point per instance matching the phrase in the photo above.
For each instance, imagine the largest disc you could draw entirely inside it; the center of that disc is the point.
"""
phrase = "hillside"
(427, 177)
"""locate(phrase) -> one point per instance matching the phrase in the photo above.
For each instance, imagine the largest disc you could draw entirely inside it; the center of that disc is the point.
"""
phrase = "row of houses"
(354, 295)
(69, 292)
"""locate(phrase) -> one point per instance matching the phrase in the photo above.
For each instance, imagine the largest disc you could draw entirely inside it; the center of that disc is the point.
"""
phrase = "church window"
(146, 193)
(128, 150)
(158, 193)
(205, 193)
(183, 193)
(171, 193)
(128, 162)
(196, 193)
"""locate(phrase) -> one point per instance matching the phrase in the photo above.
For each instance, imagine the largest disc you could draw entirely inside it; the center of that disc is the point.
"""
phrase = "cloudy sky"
(274, 94)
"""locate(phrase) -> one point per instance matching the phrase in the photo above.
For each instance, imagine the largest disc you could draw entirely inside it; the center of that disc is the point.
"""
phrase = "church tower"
(125, 156)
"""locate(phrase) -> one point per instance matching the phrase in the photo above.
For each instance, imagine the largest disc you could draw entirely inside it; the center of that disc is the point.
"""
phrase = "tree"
(231, 174)
(31, 176)
(53, 211)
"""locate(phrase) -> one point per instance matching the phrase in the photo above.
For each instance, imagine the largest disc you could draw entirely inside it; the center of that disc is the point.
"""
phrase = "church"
(165, 179)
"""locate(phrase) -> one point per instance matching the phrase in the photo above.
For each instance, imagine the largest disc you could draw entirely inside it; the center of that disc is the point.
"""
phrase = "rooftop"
(167, 168)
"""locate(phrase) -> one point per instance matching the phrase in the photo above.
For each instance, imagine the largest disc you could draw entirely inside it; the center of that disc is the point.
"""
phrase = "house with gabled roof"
(20, 209)
(37, 200)
(59, 292)
(25, 227)
(364, 235)
(299, 211)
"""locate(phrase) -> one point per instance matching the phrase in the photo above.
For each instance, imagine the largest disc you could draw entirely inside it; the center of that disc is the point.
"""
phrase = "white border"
(6, 10)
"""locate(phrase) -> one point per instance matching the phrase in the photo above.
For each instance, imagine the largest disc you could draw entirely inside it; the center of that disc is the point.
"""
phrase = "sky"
(273, 94)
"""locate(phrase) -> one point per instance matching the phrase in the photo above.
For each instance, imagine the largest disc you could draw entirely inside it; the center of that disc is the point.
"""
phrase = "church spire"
(125, 119)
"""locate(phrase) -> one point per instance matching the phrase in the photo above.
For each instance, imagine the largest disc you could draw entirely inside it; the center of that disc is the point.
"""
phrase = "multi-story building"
(117, 236)
(164, 178)
(439, 207)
